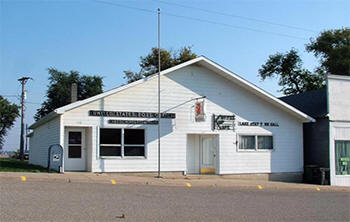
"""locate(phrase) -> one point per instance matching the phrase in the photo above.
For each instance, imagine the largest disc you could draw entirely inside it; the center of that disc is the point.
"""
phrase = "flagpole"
(159, 93)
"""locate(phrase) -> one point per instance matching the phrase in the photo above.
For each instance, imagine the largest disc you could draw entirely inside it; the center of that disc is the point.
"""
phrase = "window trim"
(256, 142)
(122, 156)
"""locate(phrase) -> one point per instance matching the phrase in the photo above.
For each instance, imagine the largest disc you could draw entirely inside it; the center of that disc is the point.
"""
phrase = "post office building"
(212, 121)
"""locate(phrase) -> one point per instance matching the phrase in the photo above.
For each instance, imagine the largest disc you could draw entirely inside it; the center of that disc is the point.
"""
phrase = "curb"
(174, 182)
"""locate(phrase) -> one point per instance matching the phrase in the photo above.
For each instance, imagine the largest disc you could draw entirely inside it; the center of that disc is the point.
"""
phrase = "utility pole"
(159, 93)
(26, 147)
(23, 81)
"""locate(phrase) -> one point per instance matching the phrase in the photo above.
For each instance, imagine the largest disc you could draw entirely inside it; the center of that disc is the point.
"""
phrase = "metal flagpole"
(159, 93)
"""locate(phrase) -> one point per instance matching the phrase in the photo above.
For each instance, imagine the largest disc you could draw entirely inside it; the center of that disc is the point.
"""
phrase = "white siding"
(178, 92)
(339, 98)
(43, 137)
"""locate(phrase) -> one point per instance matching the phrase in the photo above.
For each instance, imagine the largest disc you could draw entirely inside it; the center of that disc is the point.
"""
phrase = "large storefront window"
(255, 142)
(342, 157)
(134, 142)
(122, 142)
(110, 142)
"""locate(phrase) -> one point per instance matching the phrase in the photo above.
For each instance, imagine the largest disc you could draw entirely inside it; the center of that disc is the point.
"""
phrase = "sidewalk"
(168, 179)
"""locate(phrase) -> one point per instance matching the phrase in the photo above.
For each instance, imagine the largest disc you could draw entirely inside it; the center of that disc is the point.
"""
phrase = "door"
(75, 150)
(208, 154)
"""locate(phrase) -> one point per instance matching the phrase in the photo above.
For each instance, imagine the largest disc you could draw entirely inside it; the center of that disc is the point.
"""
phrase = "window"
(74, 144)
(74, 151)
(255, 142)
(247, 142)
(134, 142)
(122, 142)
(110, 142)
(265, 142)
(342, 157)
(74, 137)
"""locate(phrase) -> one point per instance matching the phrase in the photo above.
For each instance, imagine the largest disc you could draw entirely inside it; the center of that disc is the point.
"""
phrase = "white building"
(339, 129)
(213, 121)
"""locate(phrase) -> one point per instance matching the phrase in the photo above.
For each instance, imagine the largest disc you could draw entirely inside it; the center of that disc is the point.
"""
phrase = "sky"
(106, 37)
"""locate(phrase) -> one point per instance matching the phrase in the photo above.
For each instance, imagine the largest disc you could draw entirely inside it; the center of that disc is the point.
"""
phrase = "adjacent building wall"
(316, 143)
(179, 91)
(43, 137)
(316, 134)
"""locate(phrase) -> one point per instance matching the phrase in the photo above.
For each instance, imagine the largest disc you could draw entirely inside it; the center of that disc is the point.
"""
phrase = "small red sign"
(199, 111)
(199, 108)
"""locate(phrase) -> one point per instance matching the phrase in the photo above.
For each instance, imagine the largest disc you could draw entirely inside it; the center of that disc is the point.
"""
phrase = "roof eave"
(234, 77)
(262, 93)
(44, 120)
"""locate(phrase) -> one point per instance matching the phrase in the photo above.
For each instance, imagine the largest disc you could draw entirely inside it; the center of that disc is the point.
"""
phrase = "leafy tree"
(292, 77)
(332, 47)
(8, 114)
(59, 89)
(168, 58)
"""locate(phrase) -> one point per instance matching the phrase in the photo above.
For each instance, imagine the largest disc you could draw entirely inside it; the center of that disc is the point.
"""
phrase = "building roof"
(313, 103)
(203, 62)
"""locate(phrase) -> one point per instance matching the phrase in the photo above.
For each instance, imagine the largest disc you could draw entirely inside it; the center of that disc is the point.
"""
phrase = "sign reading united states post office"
(131, 114)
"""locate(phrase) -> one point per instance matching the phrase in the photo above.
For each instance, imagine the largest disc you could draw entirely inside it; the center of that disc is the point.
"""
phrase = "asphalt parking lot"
(75, 201)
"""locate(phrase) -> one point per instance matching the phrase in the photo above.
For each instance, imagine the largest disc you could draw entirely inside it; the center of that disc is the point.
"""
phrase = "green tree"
(59, 89)
(291, 76)
(149, 63)
(8, 114)
(332, 47)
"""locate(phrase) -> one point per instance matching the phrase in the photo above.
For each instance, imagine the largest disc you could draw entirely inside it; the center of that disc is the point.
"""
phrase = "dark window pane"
(110, 136)
(110, 151)
(134, 136)
(134, 151)
(74, 137)
(74, 152)
(265, 142)
(247, 142)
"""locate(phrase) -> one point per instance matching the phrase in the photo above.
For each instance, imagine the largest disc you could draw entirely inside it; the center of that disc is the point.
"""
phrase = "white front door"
(208, 154)
(75, 150)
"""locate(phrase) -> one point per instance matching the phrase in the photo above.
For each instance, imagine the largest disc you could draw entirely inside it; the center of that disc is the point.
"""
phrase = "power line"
(203, 20)
(237, 16)
(125, 6)
(233, 26)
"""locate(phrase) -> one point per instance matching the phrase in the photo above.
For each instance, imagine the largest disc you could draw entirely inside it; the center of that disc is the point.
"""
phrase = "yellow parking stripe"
(188, 185)
(113, 181)
(260, 187)
(318, 189)
(23, 178)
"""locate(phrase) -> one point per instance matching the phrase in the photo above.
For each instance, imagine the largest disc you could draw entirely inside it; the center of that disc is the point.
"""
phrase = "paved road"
(59, 201)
